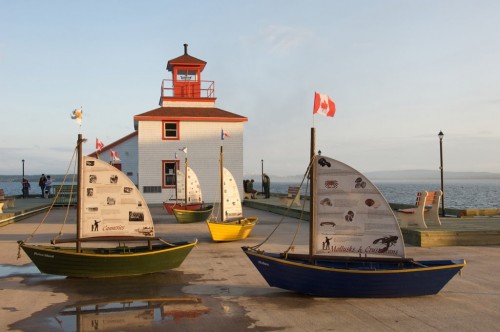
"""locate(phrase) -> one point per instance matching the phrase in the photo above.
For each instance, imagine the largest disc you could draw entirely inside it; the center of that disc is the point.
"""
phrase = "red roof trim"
(115, 143)
(187, 118)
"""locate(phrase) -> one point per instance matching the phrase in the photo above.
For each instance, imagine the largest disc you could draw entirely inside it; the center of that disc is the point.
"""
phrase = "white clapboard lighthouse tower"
(187, 118)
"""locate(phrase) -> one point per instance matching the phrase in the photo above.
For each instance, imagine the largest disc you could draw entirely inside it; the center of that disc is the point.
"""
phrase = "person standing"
(267, 186)
(26, 188)
(251, 190)
(41, 183)
(48, 185)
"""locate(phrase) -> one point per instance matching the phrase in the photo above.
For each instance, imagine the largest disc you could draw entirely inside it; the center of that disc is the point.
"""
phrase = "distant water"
(459, 194)
(15, 188)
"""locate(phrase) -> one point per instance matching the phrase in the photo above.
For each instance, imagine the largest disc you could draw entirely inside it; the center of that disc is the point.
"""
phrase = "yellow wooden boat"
(232, 230)
(231, 225)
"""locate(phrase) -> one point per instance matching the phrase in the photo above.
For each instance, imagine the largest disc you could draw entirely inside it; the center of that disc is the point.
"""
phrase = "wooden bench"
(426, 210)
(293, 197)
(5, 201)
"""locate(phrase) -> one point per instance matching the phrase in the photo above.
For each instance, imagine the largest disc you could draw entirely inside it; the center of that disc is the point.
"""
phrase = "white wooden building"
(187, 118)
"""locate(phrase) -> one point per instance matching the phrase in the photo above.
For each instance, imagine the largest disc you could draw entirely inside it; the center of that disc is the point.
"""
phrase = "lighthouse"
(187, 121)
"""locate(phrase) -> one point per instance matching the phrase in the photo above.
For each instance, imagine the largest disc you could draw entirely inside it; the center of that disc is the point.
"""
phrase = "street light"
(23, 168)
(441, 135)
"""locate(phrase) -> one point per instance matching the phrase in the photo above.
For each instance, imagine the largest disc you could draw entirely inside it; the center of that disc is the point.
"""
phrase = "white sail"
(193, 184)
(232, 200)
(352, 217)
(179, 185)
(194, 190)
(111, 204)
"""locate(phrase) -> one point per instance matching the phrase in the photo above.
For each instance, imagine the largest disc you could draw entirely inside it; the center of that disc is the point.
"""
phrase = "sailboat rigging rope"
(217, 206)
(291, 246)
(70, 194)
(53, 202)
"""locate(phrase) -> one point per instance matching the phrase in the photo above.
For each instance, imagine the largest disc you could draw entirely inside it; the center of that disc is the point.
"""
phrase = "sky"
(399, 72)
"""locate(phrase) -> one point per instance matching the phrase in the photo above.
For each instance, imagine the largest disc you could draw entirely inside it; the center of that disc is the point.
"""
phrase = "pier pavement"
(226, 292)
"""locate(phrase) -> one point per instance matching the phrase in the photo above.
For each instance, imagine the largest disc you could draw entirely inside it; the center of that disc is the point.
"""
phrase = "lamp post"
(23, 168)
(441, 135)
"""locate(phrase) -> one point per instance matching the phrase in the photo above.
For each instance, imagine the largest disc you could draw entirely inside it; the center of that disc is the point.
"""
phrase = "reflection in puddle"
(153, 302)
(129, 314)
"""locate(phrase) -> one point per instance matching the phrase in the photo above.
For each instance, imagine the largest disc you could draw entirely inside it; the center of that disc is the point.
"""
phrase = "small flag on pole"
(76, 115)
(223, 134)
(114, 155)
(184, 149)
(98, 144)
(323, 105)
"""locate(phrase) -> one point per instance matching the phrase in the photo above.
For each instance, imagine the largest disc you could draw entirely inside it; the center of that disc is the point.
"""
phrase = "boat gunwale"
(252, 252)
(72, 250)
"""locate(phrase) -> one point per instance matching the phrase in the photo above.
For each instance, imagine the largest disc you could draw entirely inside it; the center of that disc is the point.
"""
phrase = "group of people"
(266, 182)
(45, 184)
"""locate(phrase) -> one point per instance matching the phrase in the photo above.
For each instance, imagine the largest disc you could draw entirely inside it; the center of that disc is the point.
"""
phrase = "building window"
(187, 75)
(170, 173)
(171, 130)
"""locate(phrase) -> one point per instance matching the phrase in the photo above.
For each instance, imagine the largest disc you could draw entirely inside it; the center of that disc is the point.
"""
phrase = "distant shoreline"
(406, 175)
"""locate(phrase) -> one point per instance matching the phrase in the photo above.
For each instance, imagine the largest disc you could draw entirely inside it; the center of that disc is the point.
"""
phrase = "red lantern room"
(186, 84)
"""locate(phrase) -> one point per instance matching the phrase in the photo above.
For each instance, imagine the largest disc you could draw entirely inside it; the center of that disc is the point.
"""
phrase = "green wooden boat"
(111, 211)
(107, 262)
(188, 216)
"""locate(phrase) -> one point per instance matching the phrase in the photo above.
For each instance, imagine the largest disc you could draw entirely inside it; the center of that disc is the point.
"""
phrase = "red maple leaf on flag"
(323, 105)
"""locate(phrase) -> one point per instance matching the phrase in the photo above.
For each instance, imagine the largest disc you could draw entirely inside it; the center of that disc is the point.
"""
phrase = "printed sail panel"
(111, 203)
(232, 200)
(194, 190)
(352, 217)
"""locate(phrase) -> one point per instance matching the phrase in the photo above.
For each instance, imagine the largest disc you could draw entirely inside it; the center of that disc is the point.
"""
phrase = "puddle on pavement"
(22, 270)
(154, 302)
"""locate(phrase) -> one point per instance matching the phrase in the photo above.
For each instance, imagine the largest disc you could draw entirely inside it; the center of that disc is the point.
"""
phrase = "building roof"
(185, 59)
(115, 143)
(190, 114)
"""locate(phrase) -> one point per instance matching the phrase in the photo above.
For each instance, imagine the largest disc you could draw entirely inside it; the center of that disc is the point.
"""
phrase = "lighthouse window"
(171, 130)
(169, 172)
(186, 75)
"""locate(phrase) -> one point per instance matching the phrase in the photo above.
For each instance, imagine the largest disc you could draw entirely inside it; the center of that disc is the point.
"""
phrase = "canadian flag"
(114, 155)
(98, 144)
(323, 105)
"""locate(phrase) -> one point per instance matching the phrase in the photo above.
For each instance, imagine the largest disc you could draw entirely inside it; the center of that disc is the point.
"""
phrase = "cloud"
(280, 39)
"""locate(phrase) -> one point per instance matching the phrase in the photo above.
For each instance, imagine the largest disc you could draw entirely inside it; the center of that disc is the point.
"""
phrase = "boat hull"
(363, 279)
(189, 216)
(107, 262)
(170, 206)
(233, 230)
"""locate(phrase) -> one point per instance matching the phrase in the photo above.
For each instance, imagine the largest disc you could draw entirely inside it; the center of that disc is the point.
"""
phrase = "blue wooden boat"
(356, 248)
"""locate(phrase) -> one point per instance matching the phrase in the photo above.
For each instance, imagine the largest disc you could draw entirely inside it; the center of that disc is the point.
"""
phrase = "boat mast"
(79, 194)
(221, 170)
(185, 181)
(312, 194)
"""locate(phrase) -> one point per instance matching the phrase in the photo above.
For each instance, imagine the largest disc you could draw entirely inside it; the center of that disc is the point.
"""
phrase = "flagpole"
(80, 129)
